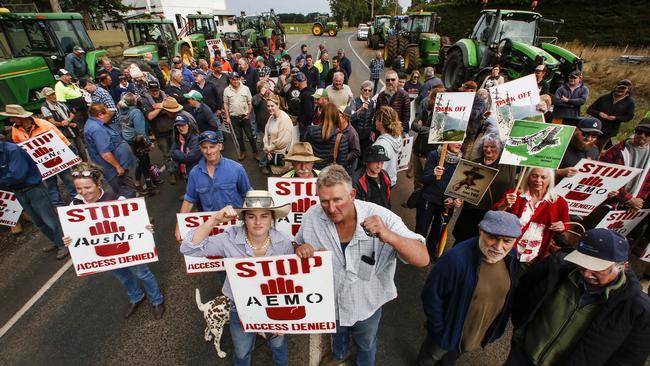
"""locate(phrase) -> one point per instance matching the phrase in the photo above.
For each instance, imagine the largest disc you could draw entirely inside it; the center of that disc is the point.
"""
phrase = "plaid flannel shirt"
(376, 67)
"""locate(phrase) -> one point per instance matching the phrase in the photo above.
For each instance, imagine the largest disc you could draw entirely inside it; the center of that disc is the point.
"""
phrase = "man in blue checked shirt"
(376, 68)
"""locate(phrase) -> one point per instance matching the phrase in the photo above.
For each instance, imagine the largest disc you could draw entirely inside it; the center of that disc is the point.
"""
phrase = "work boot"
(172, 178)
(256, 155)
(50, 249)
(17, 229)
(242, 156)
(62, 253)
(158, 311)
(132, 308)
(329, 360)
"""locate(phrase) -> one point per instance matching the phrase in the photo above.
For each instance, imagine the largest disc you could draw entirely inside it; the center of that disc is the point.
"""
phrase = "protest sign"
(404, 157)
(300, 193)
(450, 117)
(413, 113)
(51, 154)
(470, 181)
(108, 235)
(623, 221)
(10, 209)
(215, 45)
(536, 144)
(192, 220)
(517, 99)
(592, 183)
(284, 293)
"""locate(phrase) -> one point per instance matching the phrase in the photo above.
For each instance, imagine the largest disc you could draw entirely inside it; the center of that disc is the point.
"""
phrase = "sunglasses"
(639, 131)
(416, 77)
(366, 90)
(85, 173)
(391, 79)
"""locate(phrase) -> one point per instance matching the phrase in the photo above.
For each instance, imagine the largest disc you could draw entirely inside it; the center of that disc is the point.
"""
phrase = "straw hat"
(301, 151)
(15, 110)
(171, 105)
(262, 200)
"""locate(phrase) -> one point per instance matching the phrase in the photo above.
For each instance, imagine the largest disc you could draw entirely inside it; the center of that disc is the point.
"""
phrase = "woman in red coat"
(542, 213)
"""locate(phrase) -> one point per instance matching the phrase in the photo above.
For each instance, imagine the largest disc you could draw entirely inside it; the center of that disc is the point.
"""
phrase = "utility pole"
(372, 9)
(54, 4)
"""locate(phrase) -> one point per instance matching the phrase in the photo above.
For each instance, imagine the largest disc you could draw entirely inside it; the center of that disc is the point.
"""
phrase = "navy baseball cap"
(234, 75)
(501, 223)
(300, 76)
(181, 120)
(215, 137)
(590, 125)
(599, 249)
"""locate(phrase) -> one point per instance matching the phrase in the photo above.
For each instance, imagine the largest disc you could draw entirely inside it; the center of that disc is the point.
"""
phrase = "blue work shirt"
(17, 169)
(227, 186)
(101, 138)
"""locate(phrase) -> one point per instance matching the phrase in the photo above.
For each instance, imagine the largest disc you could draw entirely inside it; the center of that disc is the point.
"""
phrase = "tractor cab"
(33, 47)
(155, 35)
(202, 24)
(382, 21)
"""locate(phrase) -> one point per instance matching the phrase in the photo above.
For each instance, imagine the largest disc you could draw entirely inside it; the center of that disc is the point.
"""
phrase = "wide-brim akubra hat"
(262, 200)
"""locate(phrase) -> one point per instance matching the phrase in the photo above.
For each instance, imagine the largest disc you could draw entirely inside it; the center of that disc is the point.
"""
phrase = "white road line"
(5, 328)
(360, 59)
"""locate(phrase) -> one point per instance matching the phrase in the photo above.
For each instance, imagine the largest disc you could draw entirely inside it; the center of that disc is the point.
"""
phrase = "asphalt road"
(78, 321)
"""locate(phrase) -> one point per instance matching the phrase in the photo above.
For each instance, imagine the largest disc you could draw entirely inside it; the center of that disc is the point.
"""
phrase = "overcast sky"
(284, 6)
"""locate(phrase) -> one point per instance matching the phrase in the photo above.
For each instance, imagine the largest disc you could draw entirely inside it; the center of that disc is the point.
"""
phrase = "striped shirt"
(357, 299)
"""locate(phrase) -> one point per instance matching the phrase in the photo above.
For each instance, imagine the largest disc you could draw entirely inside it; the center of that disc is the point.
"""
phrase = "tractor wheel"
(235, 46)
(374, 41)
(332, 32)
(412, 59)
(390, 50)
(317, 29)
(402, 44)
(454, 71)
(186, 53)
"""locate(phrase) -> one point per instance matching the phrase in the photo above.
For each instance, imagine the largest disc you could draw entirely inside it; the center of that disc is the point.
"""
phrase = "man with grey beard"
(467, 295)
(396, 98)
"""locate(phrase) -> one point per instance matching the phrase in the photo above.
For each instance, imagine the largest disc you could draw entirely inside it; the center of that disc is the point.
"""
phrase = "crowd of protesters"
(510, 259)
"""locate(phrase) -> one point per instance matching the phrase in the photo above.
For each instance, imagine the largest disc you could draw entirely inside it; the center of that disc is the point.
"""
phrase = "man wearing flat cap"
(468, 294)
(584, 308)
(612, 109)
(581, 146)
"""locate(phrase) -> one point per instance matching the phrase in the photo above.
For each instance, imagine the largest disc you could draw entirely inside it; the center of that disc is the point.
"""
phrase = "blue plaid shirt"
(376, 67)
(102, 96)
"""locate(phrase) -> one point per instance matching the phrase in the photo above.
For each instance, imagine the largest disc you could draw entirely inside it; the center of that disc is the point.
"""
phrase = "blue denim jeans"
(131, 277)
(244, 344)
(364, 336)
(37, 205)
(53, 189)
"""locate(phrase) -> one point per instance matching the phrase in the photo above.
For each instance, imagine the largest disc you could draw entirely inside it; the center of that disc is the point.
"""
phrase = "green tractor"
(156, 36)
(511, 39)
(198, 28)
(378, 32)
(417, 42)
(33, 47)
(256, 32)
(322, 24)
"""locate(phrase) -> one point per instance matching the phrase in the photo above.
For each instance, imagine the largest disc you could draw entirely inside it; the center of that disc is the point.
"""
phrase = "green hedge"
(615, 23)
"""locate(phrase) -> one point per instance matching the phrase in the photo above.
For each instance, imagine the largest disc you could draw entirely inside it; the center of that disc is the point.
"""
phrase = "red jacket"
(545, 214)
(615, 156)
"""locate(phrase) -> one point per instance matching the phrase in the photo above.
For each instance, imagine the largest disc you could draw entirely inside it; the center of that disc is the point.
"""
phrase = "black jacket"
(368, 190)
(312, 75)
(177, 93)
(306, 106)
(330, 76)
(205, 118)
(325, 149)
(211, 95)
(618, 335)
(623, 110)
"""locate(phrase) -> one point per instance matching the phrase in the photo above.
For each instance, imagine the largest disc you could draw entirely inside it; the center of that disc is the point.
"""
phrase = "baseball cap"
(599, 249)
(228, 51)
(181, 120)
(590, 125)
(78, 49)
(625, 82)
(62, 72)
(501, 223)
(215, 137)
(47, 91)
(320, 92)
(193, 94)
(234, 75)
(575, 73)
(199, 72)
(216, 64)
(295, 70)
(644, 124)
(153, 85)
(300, 77)
(285, 65)
(376, 153)
(540, 68)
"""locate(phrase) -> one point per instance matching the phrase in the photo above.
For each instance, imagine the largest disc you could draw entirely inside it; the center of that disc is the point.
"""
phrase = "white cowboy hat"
(262, 200)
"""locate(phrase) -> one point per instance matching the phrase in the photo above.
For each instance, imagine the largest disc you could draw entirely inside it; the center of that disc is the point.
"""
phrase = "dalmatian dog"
(216, 313)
